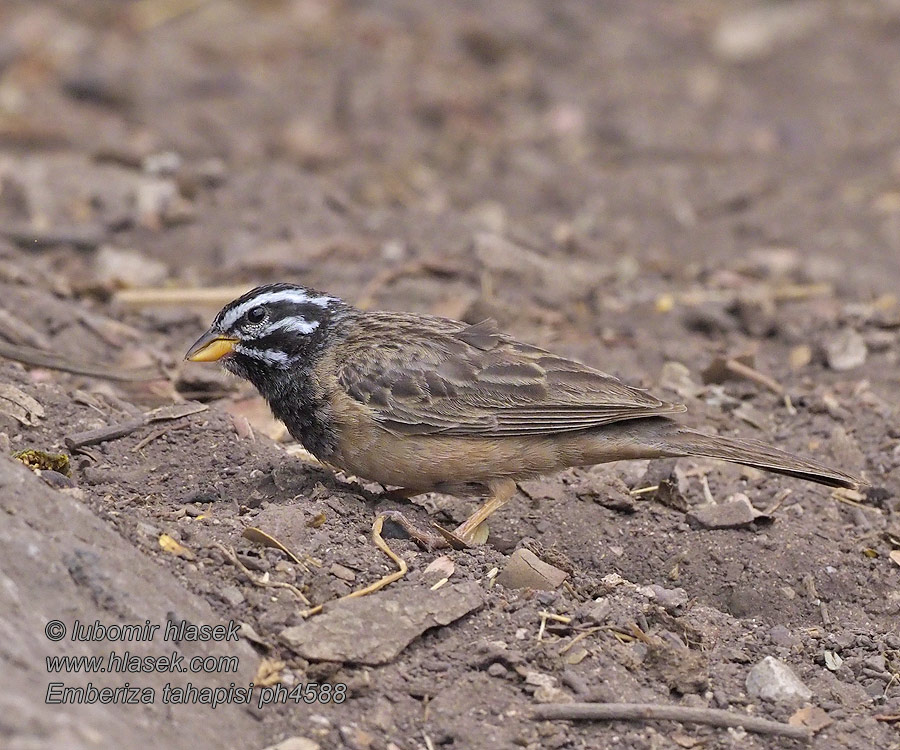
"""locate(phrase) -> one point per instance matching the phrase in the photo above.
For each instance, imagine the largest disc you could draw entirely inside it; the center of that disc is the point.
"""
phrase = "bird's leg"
(426, 539)
(470, 532)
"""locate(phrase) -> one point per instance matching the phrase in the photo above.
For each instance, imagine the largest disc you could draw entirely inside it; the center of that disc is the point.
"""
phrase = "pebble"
(115, 268)
(596, 612)
(497, 670)
(342, 572)
(671, 600)
(730, 514)
(781, 636)
(845, 350)
(295, 743)
(232, 595)
(773, 680)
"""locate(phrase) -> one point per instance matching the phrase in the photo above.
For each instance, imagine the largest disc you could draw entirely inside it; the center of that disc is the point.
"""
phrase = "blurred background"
(560, 166)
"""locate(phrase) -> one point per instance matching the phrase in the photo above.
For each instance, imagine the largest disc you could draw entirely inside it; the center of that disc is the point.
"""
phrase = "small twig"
(564, 619)
(267, 540)
(745, 371)
(714, 717)
(102, 434)
(402, 569)
(644, 490)
(37, 358)
(782, 496)
(579, 637)
(150, 438)
(232, 556)
(707, 494)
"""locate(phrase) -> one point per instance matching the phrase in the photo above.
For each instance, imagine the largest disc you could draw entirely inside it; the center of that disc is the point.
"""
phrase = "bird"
(424, 403)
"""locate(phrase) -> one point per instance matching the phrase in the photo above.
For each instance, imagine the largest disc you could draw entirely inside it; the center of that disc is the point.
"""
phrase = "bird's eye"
(256, 315)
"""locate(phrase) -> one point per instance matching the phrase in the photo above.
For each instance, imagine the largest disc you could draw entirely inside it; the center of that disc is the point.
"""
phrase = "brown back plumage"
(432, 375)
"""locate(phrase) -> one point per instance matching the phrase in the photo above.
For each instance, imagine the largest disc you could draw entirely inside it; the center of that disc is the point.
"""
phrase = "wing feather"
(438, 376)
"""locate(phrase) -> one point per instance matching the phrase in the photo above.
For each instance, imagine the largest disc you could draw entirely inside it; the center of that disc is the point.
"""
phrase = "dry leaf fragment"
(261, 537)
(173, 546)
(20, 406)
(268, 672)
(895, 556)
(442, 567)
(811, 717)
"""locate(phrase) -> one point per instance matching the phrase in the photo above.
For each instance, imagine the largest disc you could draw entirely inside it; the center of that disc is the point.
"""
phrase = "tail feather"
(757, 455)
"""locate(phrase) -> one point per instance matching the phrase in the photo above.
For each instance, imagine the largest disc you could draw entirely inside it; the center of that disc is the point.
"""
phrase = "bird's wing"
(436, 376)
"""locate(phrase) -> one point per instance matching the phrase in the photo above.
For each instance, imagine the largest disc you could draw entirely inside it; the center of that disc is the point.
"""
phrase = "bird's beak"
(210, 347)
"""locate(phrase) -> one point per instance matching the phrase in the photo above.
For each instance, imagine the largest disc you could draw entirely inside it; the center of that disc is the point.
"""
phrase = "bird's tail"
(679, 441)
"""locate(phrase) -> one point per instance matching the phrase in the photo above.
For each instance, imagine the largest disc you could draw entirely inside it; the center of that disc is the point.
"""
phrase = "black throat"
(296, 394)
(298, 399)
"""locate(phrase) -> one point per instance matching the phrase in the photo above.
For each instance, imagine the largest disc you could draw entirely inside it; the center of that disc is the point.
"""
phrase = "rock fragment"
(773, 680)
(525, 570)
(733, 513)
(375, 629)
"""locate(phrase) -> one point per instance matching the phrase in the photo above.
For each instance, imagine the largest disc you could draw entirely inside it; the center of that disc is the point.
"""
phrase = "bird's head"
(268, 330)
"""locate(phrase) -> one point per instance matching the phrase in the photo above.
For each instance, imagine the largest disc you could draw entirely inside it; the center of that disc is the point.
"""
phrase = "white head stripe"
(297, 296)
(295, 324)
(275, 356)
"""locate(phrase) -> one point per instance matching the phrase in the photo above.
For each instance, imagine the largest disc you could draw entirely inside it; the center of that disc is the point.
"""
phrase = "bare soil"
(647, 187)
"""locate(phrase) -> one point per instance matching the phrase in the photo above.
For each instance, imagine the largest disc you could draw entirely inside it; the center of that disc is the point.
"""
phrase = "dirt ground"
(649, 187)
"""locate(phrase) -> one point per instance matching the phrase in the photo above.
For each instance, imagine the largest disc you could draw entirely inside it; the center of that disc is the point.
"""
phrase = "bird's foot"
(428, 540)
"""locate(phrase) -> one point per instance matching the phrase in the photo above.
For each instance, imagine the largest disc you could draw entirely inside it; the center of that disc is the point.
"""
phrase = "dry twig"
(402, 568)
(652, 712)
(262, 583)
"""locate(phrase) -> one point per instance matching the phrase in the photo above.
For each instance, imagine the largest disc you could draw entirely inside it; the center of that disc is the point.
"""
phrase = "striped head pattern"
(272, 327)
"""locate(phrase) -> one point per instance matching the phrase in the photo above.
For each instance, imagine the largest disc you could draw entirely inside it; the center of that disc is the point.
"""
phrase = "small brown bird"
(426, 403)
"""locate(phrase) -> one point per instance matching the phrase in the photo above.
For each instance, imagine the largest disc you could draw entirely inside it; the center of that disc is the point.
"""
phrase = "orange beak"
(210, 347)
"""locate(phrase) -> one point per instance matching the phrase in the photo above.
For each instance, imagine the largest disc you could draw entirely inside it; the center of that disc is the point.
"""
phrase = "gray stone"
(773, 680)
(375, 629)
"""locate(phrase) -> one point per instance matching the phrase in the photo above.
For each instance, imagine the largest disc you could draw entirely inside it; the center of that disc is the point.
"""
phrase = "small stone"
(773, 680)
(524, 569)
(232, 595)
(781, 636)
(596, 612)
(676, 377)
(754, 33)
(845, 350)
(342, 572)
(728, 515)
(800, 356)
(671, 600)
(497, 670)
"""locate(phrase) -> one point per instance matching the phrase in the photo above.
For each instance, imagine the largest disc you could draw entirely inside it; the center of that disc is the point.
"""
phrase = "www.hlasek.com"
(175, 631)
